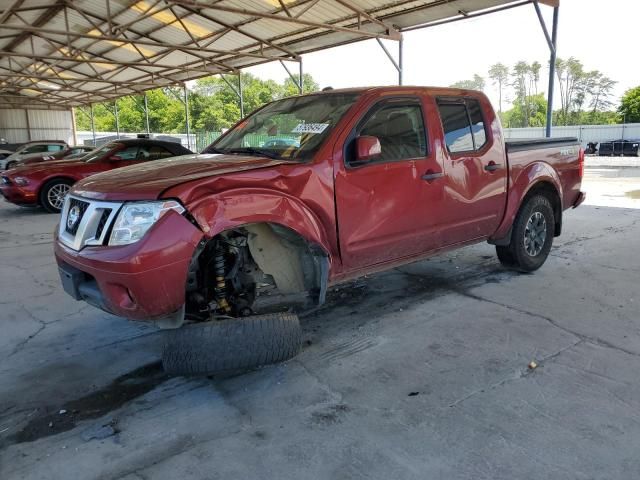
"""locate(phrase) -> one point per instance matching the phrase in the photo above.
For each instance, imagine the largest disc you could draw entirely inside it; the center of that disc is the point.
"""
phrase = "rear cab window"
(463, 124)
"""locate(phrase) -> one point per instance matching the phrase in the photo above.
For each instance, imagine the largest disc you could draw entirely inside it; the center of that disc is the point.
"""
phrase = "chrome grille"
(106, 213)
(92, 225)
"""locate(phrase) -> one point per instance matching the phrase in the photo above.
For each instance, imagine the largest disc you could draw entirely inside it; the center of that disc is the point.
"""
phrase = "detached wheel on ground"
(226, 346)
(531, 237)
(52, 194)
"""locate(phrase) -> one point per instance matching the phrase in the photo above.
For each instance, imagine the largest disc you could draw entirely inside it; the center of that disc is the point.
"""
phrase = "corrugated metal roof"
(59, 54)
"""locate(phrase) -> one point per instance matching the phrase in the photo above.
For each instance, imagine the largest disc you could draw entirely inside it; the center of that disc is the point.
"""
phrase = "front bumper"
(17, 195)
(142, 281)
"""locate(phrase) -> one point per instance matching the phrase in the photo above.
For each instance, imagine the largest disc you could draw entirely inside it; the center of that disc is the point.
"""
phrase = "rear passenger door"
(476, 170)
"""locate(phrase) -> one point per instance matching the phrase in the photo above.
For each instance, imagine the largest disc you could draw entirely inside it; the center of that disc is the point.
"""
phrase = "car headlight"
(21, 181)
(136, 218)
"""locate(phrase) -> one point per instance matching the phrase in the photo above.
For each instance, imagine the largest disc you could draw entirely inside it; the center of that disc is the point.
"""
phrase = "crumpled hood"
(148, 180)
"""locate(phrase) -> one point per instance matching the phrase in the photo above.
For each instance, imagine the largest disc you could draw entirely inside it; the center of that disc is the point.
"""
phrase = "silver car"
(31, 149)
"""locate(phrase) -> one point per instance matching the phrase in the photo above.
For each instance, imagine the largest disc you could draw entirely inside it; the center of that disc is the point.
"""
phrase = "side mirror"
(367, 148)
(115, 158)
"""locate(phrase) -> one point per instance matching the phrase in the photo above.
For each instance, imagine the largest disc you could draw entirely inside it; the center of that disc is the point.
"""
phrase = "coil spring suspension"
(221, 284)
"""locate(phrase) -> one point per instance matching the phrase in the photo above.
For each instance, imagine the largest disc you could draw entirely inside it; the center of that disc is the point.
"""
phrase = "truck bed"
(561, 156)
(519, 144)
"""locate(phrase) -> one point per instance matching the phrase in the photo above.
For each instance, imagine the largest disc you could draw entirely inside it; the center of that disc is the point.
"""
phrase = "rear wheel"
(531, 237)
(52, 194)
(505, 256)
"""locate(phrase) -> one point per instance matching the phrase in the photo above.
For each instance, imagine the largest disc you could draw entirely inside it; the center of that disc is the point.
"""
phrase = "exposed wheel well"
(230, 270)
(549, 190)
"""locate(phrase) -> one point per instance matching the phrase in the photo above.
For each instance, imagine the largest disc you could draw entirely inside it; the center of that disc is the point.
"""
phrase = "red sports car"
(69, 153)
(47, 183)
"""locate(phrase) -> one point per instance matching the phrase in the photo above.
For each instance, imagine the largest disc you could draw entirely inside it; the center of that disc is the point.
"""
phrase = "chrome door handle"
(492, 167)
(430, 177)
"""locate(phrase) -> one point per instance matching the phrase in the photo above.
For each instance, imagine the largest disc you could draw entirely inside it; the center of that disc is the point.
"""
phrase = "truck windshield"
(290, 129)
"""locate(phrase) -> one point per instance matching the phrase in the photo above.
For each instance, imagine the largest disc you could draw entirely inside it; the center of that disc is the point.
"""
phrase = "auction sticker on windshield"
(310, 128)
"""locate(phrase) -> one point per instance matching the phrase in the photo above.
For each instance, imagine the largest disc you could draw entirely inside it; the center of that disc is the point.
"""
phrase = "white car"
(30, 149)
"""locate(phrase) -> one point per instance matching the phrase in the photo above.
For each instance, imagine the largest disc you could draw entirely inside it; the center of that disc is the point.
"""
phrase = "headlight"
(21, 181)
(136, 218)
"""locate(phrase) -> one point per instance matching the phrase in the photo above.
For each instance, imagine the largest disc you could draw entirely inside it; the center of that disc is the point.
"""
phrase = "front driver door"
(386, 210)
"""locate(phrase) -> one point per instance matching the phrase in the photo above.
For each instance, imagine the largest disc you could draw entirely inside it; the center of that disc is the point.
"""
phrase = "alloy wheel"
(535, 234)
(56, 195)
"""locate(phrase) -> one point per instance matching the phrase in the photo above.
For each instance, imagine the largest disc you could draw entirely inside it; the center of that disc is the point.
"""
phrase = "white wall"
(584, 133)
(20, 125)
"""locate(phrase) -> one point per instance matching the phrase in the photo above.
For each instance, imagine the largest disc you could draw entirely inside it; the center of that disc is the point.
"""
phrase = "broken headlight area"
(136, 218)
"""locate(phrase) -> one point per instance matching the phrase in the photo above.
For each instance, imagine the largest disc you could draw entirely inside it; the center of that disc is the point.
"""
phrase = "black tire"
(221, 347)
(523, 253)
(47, 201)
(505, 256)
(11, 164)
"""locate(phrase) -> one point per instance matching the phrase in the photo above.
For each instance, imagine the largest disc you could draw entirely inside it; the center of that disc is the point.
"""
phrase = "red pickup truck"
(363, 180)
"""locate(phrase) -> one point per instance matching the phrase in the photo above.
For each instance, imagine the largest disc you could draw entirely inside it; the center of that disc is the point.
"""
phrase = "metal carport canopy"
(66, 53)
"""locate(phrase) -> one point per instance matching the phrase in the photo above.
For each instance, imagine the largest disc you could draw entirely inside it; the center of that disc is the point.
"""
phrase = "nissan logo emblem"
(74, 216)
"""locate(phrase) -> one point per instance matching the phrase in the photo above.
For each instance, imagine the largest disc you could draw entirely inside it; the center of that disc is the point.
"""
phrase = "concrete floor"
(420, 372)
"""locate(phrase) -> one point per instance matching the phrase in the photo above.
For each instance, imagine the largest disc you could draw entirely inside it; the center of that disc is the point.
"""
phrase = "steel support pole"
(115, 106)
(186, 114)
(26, 117)
(146, 113)
(240, 94)
(93, 125)
(397, 65)
(300, 81)
(552, 71)
(400, 43)
(73, 126)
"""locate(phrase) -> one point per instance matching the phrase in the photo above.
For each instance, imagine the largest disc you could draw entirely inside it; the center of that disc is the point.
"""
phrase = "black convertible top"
(174, 147)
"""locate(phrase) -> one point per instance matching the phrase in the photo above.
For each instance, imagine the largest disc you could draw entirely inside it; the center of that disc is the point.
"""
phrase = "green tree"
(571, 80)
(630, 106)
(213, 105)
(524, 78)
(530, 111)
(499, 73)
(476, 83)
(309, 85)
(601, 89)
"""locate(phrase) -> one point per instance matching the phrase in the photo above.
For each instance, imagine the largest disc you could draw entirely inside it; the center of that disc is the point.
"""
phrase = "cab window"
(463, 125)
(400, 129)
(477, 123)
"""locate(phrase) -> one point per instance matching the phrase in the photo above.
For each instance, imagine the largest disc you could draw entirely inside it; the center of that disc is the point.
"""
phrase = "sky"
(601, 34)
